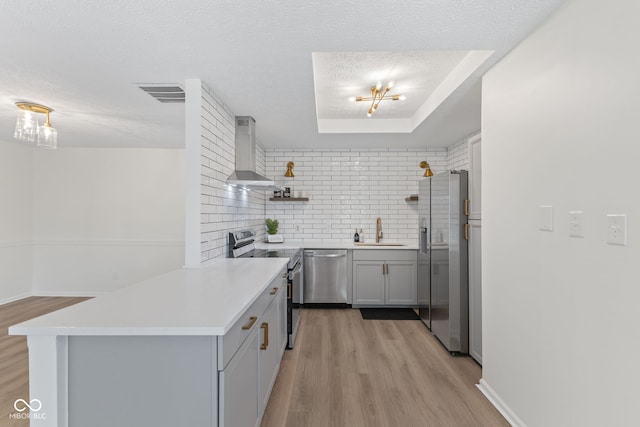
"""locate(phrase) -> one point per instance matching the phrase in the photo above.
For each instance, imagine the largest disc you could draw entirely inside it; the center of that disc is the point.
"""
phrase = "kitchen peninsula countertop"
(205, 301)
(336, 244)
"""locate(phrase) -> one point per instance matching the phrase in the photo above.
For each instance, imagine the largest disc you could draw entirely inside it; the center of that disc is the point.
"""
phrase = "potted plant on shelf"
(272, 230)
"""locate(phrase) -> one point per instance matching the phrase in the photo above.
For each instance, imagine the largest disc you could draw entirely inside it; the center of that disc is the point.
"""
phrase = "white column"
(48, 380)
(193, 132)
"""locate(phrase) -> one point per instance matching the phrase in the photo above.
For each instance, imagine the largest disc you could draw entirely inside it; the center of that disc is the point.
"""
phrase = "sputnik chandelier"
(28, 129)
(378, 94)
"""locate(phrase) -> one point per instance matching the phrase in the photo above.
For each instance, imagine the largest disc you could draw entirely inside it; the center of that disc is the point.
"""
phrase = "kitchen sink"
(380, 244)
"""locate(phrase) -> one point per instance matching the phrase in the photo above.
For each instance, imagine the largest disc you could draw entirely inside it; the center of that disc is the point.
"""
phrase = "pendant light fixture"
(27, 128)
(378, 94)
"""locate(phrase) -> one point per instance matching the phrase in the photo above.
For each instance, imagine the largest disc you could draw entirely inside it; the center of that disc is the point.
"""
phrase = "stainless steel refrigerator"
(443, 281)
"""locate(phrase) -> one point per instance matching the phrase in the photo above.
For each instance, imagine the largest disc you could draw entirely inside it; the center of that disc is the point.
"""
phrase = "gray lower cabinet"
(247, 376)
(268, 354)
(238, 383)
(385, 277)
(165, 380)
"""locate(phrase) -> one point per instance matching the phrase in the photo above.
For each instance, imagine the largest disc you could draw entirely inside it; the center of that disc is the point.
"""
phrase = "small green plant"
(272, 225)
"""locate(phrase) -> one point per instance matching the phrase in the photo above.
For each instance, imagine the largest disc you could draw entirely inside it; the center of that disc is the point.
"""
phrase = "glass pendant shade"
(47, 137)
(26, 127)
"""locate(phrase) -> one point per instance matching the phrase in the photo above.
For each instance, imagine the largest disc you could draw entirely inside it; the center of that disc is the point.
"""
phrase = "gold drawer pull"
(466, 231)
(265, 328)
(274, 291)
(249, 325)
(466, 207)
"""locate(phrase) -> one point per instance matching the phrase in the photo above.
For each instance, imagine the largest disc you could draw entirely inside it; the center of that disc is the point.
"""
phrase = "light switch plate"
(546, 218)
(617, 229)
(576, 224)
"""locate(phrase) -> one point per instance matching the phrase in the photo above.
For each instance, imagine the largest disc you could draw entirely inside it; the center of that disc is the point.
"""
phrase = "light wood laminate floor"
(14, 359)
(346, 371)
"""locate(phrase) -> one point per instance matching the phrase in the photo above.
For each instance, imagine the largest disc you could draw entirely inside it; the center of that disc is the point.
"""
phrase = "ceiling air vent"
(168, 93)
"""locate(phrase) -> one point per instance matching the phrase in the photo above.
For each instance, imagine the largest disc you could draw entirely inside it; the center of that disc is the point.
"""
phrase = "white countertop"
(337, 244)
(206, 301)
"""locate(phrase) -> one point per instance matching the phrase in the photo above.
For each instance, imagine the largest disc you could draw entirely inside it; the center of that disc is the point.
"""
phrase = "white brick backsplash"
(224, 208)
(458, 157)
(349, 189)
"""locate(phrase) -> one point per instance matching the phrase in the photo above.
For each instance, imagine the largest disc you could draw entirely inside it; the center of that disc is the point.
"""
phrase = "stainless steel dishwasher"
(325, 276)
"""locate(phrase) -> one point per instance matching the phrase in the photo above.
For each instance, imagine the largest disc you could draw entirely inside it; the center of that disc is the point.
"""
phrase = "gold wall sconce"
(289, 172)
(428, 171)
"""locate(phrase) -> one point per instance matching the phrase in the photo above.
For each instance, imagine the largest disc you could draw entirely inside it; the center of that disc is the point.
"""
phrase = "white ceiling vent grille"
(168, 93)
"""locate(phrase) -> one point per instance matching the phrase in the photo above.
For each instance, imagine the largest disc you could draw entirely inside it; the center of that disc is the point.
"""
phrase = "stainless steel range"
(242, 245)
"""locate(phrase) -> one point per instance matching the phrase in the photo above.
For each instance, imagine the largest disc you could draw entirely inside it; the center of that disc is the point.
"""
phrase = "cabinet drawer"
(229, 344)
(385, 255)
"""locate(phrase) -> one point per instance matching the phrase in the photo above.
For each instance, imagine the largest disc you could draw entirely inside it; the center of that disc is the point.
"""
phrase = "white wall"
(16, 215)
(560, 127)
(105, 218)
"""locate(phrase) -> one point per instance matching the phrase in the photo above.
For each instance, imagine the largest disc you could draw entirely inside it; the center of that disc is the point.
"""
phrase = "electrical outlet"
(617, 229)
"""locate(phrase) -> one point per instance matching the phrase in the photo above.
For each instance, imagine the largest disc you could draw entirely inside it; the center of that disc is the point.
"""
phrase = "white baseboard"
(15, 298)
(499, 404)
(67, 293)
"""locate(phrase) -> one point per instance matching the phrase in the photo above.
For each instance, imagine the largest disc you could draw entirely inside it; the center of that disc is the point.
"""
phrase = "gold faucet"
(378, 230)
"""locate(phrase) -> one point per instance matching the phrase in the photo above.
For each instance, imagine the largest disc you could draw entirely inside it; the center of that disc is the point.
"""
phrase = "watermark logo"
(21, 405)
(34, 406)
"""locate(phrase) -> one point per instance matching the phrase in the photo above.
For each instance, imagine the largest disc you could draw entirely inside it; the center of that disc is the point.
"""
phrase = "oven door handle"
(297, 269)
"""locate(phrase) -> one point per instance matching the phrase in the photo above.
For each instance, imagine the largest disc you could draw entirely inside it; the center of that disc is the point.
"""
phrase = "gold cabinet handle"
(466, 231)
(265, 327)
(273, 291)
(288, 290)
(466, 207)
(249, 325)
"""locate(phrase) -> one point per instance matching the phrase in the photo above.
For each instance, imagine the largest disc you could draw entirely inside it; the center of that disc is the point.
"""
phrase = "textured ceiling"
(341, 75)
(83, 58)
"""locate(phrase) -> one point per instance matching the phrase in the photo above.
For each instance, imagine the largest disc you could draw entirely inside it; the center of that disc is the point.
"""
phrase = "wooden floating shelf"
(289, 199)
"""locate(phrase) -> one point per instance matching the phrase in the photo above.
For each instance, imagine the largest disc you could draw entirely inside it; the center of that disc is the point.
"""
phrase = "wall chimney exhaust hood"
(245, 174)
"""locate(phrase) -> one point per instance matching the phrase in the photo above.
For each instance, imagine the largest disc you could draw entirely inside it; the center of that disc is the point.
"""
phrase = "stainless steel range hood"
(245, 174)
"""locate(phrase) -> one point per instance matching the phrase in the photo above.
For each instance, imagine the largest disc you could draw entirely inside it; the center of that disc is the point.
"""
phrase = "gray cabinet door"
(268, 355)
(239, 384)
(401, 286)
(368, 283)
